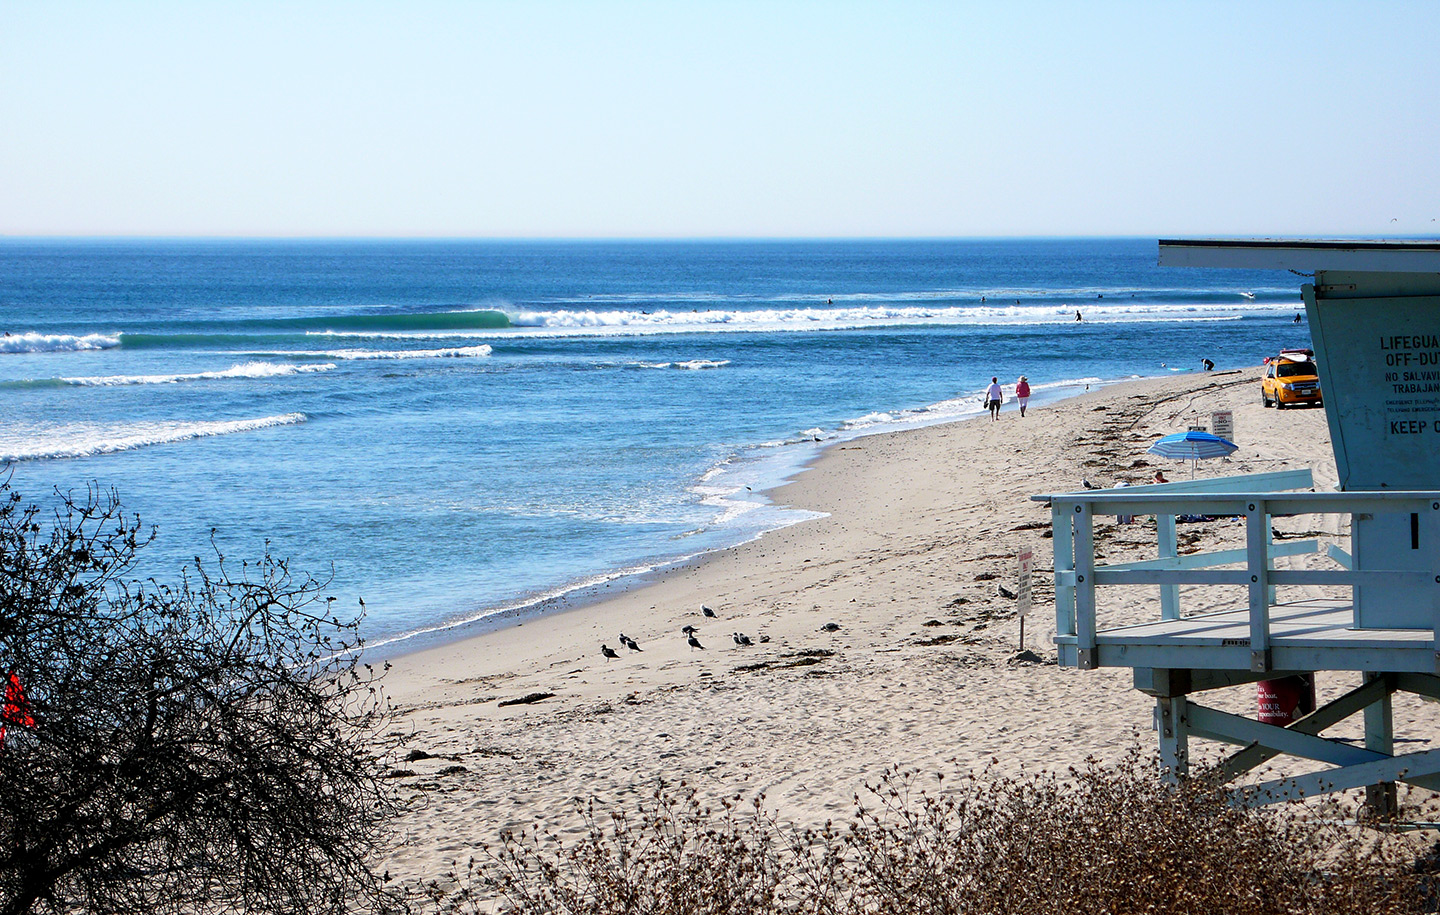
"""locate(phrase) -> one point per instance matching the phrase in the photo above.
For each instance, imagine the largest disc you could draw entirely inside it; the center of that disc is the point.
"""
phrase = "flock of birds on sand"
(740, 639)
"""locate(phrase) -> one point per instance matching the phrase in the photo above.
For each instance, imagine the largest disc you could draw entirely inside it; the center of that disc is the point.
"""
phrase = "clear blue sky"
(537, 118)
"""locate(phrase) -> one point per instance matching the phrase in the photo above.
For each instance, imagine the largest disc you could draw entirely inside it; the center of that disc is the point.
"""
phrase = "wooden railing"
(1257, 498)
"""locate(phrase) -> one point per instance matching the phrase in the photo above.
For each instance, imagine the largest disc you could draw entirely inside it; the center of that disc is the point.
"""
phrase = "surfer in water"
(1077, 314)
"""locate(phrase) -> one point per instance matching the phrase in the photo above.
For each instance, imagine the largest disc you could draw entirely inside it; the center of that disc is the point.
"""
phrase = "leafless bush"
(1099, 839)
(200, 747)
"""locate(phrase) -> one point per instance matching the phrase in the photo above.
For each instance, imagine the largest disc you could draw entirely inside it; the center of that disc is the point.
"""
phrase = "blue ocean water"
(460, 428)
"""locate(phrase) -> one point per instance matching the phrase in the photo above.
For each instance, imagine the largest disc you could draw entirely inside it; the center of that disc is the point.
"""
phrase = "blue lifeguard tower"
(1374, 316)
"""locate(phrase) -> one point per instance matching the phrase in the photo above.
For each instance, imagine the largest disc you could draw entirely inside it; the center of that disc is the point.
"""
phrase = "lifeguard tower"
(1374, 317)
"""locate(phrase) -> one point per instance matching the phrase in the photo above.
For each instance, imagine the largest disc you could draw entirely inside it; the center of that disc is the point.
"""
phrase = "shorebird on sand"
(707, 611)
(629, 643)
(742, 639)
(694, 643)
(688, 629)
(608, 652)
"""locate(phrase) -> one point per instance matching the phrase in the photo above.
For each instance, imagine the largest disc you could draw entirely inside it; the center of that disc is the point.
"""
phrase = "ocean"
(465, 432)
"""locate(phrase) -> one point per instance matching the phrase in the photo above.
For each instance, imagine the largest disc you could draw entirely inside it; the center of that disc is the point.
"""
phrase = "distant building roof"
(1377, 255)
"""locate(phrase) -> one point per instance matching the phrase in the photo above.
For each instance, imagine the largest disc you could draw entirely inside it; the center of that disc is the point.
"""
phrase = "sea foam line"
(691, 364)
(456, 352)
(33, 342)
(245, 370)
(659, 321)
(87, 440)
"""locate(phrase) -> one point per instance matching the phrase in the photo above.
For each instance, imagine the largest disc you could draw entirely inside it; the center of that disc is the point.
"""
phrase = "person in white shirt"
(994, 397)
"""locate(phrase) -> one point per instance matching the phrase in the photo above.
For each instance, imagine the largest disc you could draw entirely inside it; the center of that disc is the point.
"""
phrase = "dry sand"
(920, 528)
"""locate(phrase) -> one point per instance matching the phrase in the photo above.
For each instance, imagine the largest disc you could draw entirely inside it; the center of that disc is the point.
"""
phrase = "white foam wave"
(1072, 296)
(692, 364)
(458, 352)
(583, 322)
(55, 343)
(86, 440)
(245, 370)
(402, 335)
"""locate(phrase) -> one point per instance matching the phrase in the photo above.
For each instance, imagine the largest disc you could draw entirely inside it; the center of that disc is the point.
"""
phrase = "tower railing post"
(1085, 585)
(1257, 564)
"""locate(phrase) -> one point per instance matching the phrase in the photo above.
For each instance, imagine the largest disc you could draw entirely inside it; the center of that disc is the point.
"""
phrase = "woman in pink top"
(1022, 393)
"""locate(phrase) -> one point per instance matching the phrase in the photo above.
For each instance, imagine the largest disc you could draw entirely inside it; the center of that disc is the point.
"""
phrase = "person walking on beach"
(993, 397)
(1022, 394)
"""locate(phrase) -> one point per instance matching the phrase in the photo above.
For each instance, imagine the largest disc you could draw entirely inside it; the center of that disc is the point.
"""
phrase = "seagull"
(1086, 483)
(608, 652)
(707, 611)
(741, 639)
(695, 643)
(1006, 592)
(629, 643)
(689, 630)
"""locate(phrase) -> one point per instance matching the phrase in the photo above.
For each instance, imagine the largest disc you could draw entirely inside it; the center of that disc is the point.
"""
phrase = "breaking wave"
(55, 343)
(246, 370)
(87, 440)
(458, 352)
(691, 364)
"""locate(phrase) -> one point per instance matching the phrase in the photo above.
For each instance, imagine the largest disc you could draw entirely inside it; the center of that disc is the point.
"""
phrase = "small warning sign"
(1022, 590)
(1222, 423)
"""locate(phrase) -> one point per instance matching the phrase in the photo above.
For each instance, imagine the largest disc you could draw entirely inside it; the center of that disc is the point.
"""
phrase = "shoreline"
(576, 596)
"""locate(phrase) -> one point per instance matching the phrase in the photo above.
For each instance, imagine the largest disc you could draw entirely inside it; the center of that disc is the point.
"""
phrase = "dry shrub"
(1100, 839)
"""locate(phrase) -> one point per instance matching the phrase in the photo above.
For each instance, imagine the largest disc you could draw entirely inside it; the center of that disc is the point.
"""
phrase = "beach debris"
(764, 638)
(944, 638)
(630, 643)
(741, 639)
(694, 643)
(707, 611)
(525, 699)
(806, 657)
(830, 627)
(1028, 657)
(1005, 592)
(495, 751)
(608, 652)
(986, 576)
(451, 770)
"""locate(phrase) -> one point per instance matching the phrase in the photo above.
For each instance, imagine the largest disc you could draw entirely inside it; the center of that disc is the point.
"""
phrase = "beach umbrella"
(1192, 446)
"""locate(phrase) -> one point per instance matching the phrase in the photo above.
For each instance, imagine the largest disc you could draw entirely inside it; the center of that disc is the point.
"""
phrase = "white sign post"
(1022, 591)
(1222, 423)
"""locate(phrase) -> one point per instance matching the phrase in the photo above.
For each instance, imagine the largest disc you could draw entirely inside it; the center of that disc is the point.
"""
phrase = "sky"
(544, 118)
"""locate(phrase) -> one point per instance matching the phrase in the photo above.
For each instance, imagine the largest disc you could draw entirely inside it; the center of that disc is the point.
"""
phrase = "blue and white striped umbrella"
(1192, 446)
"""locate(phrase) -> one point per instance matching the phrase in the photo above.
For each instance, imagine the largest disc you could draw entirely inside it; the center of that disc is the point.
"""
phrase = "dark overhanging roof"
(1307, 254)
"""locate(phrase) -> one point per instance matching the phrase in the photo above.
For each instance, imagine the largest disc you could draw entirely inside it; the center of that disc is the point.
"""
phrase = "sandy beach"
(881, 636)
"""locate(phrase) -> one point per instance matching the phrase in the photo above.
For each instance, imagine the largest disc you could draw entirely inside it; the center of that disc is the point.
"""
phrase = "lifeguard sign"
(1374, 312)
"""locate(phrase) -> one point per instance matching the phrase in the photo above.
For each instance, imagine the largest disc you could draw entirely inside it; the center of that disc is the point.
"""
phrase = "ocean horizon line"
(675, 239)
